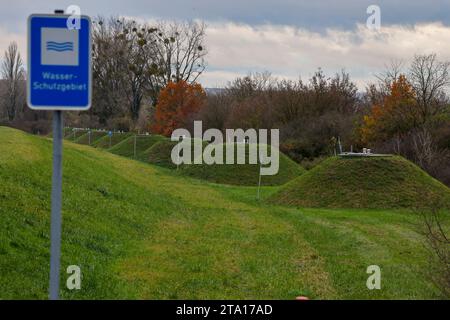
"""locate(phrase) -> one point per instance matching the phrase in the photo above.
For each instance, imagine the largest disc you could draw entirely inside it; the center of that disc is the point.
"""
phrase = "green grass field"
(142, 231)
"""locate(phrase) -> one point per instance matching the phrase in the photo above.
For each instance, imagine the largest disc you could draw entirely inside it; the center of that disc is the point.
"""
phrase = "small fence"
(72, 133)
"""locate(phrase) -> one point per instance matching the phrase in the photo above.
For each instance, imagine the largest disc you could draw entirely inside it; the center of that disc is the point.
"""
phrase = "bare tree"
(438, 242)
(136, 60)
(391, 73)
(377, 91)
(171, 51)
(13, 74)
(136, 47)
(108, 70)
(250, 85)
(289, 97)
(216, 110)
(179, 52)
(427, 154)
(429, 78)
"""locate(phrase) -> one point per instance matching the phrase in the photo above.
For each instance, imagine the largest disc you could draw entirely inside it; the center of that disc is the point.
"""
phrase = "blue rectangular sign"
(59, 63)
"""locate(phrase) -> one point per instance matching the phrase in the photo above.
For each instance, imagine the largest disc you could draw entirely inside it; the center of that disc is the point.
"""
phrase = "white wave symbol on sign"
(59, 46)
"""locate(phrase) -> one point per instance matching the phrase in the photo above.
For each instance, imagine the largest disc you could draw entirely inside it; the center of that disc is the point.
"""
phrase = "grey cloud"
(314, 15)
(289, 38)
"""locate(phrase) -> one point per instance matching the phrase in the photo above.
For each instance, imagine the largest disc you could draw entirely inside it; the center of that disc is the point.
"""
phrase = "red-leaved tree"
(396, 116)
(177, 102)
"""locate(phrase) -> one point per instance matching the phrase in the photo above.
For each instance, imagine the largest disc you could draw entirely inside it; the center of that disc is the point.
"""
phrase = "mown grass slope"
(126, 147)
(160, 153)
(105, 142)
(94, 136)
(244, 174)
(156, 149)
(141, 231)
(71, 135)
(374, 182)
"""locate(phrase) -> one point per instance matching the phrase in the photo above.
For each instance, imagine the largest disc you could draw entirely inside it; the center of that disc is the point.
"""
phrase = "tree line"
(145, 78)
(406, 111)
(132, 62)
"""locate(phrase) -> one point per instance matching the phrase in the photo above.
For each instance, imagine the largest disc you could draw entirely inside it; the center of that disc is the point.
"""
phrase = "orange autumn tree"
(396, 115)
(176, 102)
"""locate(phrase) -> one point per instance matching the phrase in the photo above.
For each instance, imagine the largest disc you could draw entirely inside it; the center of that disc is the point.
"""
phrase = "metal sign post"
(59, 78)
(55, 228)
(110, 138)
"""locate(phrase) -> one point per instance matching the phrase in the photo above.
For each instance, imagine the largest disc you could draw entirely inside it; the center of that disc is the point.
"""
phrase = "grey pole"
(110, 140)
(55, 228)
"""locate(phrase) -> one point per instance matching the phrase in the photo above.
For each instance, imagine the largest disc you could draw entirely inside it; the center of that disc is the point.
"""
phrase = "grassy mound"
(95, 135)
(160, 153)
(244, 174)
(140, 232)
(71, 135)
(104, 142)
(126, 147)
(384, 182)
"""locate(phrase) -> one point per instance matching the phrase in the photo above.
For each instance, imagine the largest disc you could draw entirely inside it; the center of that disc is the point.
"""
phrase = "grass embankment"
(126, 147)
(160, 153)
(156, 149)
(106, 142)
(244, 174)
(71, 135)
(90, 138)
(373, 182)
(141, 231)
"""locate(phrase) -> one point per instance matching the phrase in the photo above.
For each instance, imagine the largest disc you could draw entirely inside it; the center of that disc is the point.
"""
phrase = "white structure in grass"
(365, 153)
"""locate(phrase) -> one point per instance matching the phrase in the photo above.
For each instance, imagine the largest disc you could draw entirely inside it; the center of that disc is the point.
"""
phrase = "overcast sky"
(289, 38)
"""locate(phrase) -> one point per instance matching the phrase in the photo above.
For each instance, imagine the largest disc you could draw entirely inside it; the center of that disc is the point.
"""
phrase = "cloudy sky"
(289, 38)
